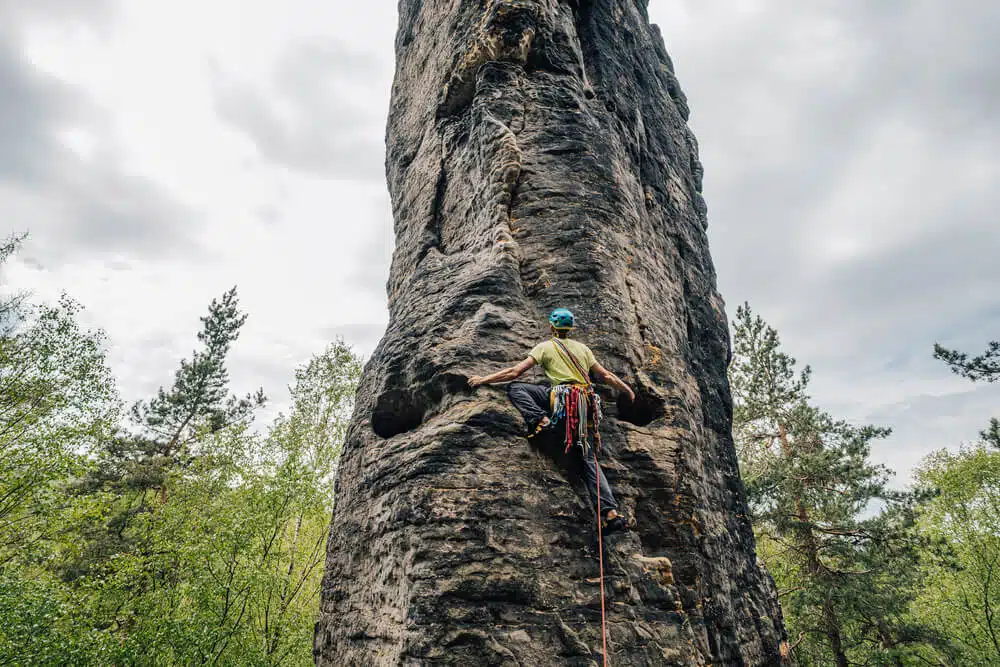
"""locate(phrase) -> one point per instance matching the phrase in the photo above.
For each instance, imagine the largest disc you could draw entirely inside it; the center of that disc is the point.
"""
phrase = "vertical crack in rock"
(505, 177)
(434, 224)
(538, 155)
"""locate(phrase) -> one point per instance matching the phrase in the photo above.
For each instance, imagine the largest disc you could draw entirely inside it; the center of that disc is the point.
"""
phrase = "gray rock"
(538, 156)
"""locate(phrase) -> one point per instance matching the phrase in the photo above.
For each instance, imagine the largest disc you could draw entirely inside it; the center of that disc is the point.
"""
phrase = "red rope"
(600, 548)
(572, 423)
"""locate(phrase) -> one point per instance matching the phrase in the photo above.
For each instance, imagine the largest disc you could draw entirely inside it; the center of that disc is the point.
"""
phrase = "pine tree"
(135, 466)
(982, 368)
(198, 403)
(810, 484)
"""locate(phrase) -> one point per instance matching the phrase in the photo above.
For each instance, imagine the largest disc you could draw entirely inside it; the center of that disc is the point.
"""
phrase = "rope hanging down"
(572, 415)
(600, 550)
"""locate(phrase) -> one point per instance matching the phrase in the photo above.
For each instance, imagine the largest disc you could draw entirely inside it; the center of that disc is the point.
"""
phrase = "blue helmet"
(561, 318)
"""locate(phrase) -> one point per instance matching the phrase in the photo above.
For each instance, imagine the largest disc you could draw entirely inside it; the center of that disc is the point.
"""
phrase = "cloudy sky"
(161, 151)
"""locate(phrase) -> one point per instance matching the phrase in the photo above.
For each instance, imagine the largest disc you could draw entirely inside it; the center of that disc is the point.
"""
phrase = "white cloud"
(290, 241)
(850, 179)
(167, 150)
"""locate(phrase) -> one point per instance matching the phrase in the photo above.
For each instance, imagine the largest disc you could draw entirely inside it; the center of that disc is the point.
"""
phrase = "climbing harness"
(582, 406)
(579, 402)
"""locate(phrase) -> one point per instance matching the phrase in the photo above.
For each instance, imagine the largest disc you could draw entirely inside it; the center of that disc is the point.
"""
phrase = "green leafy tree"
(844, 575)
(181, 537)
(118, 548)
(964, 512)
(982, 368)
(57, 400)
(228, 568)
(258, 579)
(42, 623)
(199, 400)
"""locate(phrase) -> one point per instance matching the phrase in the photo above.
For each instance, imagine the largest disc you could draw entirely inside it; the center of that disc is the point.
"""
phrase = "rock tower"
(539, 156)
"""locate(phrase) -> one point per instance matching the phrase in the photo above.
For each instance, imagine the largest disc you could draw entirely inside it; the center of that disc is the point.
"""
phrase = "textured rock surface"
(538, 156)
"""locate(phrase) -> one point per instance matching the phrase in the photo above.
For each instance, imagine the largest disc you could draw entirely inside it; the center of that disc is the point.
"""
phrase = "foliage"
(166, 429)
(57, 399)
(984, 367)
(981, 368)
(135, 468)
(181, 536)
(42, 621)
(210, 545)
(964, 598)
(845, 574)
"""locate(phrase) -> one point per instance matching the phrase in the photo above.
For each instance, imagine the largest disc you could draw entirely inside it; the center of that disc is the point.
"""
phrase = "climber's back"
(558, 368)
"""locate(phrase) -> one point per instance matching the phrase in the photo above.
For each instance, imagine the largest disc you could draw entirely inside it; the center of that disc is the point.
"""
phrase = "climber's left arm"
(506, 375)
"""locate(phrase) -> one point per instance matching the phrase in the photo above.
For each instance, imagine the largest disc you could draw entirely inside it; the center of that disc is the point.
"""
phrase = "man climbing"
(570, 400)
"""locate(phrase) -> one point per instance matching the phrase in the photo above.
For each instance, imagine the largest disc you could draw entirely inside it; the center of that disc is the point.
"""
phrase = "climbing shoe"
(620, 522)
(542, 427)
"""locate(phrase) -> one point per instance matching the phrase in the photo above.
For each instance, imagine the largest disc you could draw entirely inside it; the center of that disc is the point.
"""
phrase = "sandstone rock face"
(539, 156)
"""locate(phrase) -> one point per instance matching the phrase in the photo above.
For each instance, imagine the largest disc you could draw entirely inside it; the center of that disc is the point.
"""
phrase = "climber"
(568, 365)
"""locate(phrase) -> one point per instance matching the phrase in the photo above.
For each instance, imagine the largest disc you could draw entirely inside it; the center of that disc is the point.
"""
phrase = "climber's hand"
(475, 381)
(631, 396)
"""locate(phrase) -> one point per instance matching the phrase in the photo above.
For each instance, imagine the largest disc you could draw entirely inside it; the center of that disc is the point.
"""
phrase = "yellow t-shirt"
(557, 368)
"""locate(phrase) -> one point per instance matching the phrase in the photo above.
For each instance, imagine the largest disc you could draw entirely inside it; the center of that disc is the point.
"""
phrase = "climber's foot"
(614, 521)
(542, 425)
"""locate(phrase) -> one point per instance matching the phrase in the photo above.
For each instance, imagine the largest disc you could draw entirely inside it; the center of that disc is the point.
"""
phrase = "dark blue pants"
(532, 400)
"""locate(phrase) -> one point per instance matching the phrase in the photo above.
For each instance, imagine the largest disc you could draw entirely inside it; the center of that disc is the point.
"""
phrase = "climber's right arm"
(612, 379)
(506, 375)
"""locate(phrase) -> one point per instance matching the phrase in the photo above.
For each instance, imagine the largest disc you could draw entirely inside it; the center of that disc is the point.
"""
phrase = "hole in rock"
(642, 411)
(396, 412)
